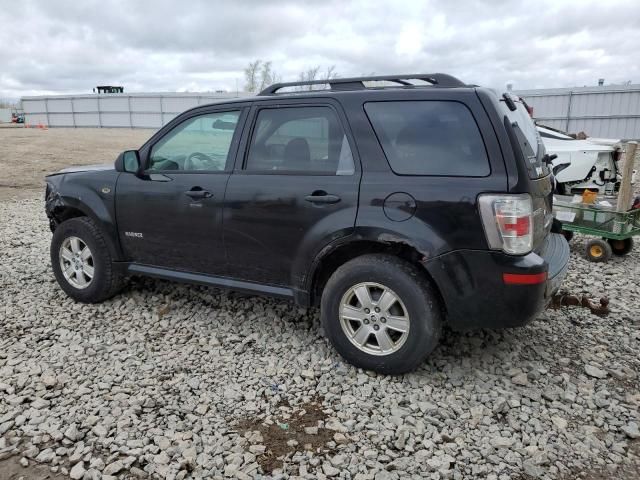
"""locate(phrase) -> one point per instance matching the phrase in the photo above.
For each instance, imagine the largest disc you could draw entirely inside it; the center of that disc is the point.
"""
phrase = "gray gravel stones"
(631, 430)
(77, 472)
(595, 372)
(154, 383)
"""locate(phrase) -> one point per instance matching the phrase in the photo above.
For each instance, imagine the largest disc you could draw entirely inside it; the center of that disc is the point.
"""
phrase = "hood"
(86, 168)
(604, 141)
(554, 146)
(552, 136)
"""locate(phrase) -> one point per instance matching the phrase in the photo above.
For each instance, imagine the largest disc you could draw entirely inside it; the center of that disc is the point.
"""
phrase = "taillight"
(508, 222)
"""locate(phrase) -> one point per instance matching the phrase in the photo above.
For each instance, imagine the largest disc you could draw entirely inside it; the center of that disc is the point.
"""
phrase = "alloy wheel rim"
(76, 262)
(374, 318)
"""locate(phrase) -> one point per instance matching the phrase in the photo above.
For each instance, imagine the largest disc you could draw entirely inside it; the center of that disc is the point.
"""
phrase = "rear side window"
(429, 138)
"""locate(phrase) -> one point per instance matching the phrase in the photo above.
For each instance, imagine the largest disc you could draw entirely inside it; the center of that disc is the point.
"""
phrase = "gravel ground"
(175, 381)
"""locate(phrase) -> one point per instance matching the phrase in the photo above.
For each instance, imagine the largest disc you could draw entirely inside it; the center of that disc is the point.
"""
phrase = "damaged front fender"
(89, 194)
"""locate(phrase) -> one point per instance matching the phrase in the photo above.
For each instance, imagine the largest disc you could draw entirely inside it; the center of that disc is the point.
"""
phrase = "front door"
(296, 191)
(171, 217)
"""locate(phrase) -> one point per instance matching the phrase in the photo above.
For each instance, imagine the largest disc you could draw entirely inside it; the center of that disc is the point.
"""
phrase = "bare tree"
(258, 75)
(267, 75)
(314, 73)
(251, 74)
(330, 73)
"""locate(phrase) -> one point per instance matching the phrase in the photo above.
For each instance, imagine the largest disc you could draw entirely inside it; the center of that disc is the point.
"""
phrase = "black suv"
(397, 204)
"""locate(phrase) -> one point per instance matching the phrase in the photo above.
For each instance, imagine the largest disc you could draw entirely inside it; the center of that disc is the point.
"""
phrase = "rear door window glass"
(429, 138)
(303, 140)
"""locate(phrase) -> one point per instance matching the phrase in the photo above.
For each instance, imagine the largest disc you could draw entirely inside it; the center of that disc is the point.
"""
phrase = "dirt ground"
(28, 154)
(10, 469)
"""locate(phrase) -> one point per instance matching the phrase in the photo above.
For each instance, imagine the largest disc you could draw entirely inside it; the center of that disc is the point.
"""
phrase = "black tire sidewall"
(95, 292)
(415, 293)
(628, 246)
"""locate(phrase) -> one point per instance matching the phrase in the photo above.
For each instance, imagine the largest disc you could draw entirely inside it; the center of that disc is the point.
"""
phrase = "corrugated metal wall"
(135, 110)
(5, 115)
(607, 111)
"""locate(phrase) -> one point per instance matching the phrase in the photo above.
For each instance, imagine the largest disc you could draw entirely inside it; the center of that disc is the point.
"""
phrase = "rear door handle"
(322, 197)
(198, 194)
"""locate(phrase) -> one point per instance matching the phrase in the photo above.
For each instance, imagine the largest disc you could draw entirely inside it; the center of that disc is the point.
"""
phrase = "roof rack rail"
(357, 83)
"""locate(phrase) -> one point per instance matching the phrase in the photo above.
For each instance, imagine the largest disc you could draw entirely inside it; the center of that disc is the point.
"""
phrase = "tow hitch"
(600, 308)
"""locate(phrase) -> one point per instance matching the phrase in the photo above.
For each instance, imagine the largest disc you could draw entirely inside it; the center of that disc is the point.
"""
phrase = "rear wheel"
(82, 263)
(621, 247)
(381, 314)
(598, 250)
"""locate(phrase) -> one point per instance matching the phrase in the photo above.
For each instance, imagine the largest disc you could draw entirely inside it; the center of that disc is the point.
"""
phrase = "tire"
(560, 188)
(416, 305)
(568, 235)
(598, 250)
(75, 235)
(621, 247)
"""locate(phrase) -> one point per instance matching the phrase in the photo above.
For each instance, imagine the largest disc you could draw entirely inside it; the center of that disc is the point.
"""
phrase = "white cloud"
(69, 46)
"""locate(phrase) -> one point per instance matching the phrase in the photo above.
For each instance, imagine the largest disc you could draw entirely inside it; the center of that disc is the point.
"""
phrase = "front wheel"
(82, 263)
(381, 314)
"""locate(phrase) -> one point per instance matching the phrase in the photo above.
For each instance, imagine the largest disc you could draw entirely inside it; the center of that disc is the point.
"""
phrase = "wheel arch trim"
(358, 244)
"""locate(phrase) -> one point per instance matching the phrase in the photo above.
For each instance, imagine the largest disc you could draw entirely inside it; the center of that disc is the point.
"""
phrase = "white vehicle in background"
(591, 164)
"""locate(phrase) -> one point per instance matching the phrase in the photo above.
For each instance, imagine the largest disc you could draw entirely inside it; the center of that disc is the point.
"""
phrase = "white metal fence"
(135, 110)
(607, 111)
(5, 115)
(611, 111)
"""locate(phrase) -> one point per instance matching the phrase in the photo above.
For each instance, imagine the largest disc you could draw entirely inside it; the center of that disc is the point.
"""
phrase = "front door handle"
(198, 194)
(322, 197)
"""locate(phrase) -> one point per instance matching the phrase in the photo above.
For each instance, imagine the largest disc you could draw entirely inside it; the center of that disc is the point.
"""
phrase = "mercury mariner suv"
(397, 204)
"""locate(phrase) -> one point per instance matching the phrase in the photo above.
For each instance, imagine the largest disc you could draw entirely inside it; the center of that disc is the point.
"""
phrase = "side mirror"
(128, 161)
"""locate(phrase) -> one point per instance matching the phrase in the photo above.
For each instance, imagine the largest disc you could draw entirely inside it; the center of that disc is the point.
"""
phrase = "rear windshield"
(429, 138)
(527, 135)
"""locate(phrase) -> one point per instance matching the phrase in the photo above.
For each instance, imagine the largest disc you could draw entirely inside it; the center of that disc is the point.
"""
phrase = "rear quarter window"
(429, 138)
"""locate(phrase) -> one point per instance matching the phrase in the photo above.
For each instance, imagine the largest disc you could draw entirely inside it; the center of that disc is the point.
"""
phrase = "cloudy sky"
(70, 46)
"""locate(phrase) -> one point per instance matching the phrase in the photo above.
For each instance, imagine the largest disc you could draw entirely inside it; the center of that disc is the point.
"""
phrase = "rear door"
(294, 191)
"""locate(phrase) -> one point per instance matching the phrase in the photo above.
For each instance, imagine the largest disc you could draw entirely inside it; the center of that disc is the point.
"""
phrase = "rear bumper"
(475, 293)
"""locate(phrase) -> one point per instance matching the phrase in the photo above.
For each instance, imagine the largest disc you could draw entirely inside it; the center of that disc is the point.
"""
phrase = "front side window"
(199, 143)
(307, 140)
(429, 138)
